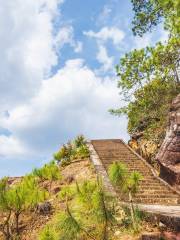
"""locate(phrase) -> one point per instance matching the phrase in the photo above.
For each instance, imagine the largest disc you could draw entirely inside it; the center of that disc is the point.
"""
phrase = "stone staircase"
(152, 190)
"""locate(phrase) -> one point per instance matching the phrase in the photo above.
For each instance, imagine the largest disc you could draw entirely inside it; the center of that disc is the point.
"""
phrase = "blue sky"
(57, 75)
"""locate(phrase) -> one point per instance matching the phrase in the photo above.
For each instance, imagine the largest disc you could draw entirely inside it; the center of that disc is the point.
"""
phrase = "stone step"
(147, 195)
(151, 189)
(163, 201)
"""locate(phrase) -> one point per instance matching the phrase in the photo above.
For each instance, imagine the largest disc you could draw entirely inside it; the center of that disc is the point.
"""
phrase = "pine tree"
(127, 183)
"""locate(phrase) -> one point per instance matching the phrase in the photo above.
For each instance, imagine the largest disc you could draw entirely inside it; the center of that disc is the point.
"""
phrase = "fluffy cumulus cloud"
(26, 48)
(71, 102)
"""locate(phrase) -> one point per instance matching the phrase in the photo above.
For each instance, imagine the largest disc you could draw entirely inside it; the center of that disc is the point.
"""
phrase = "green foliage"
(138, 215)
(89, 212)
(149, 81)
(70, 228)
(49, 171)
(25, 195)
(82, 152)
(133, 181)
(4, 194)
(67, 193)
(127, 183)
(18, 198)
(76, 149)
(149, 13)
(48, 233)
(5, 208)
(79, 141)
(119, 175)
(139, 67)
(148, 77)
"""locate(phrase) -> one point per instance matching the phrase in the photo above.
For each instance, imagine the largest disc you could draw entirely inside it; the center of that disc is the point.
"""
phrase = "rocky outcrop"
(169, 152)
(145, 148)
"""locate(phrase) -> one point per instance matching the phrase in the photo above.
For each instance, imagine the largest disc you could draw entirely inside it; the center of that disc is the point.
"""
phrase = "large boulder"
(169, 152)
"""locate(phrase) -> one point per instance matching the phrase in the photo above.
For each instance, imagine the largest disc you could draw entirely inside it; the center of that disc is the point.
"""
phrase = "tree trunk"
(132, 210)
(17, 222)
(6, 228)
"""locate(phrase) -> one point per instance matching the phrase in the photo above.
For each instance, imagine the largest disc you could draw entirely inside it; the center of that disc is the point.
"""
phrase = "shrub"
(67, 193)
(26, 195)
(64, 154)
(79, 141)
(5, 207)
(72, 150)
(127, 183)
(48, 233)
(17, 199)
(92, 209)
(49, 172)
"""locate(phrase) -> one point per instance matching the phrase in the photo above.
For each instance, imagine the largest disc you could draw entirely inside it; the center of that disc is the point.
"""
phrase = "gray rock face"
(169, 153)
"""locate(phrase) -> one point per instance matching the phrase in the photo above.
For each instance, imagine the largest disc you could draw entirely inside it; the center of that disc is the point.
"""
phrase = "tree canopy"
(149, 77)
(149, 13)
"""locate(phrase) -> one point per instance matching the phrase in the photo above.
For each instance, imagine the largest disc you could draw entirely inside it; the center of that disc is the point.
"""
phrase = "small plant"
(49, 172)
(92, 209)
(63, 156)
(24, 196)
(138, 215)
(82, 152)
(17, 199)
(127, 183)
(5, 208)
(67, 193)
(79, 141)
(76, 149)
(48, 233)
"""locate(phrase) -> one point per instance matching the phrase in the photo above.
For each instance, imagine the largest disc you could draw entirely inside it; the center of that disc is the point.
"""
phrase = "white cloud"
(71, 102)
(66, 36)
(102, 57)
(38, 110)
(11, 147)
(26, 48)
(107, 33)
(27, 52)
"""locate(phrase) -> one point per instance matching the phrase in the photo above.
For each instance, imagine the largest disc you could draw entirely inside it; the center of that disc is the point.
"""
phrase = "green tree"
(16, 199)
(148, 77)
(25, 196)
(48, 234)
(79, 141)
(91, 208)
(63, 156)
(77, 149)
(149, 13)
(49, 171)
(5, 208)
(127, 183)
